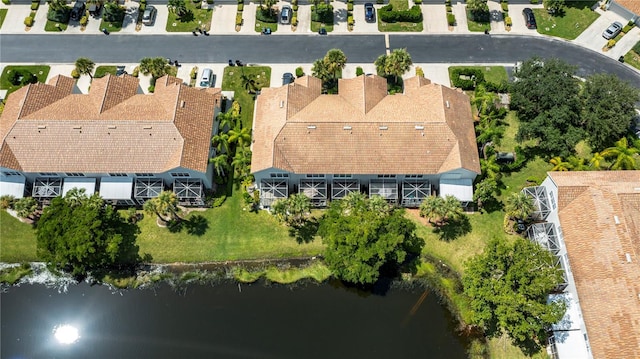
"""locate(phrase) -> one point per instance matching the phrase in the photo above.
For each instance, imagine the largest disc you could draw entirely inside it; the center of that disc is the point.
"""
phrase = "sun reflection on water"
(66, 334)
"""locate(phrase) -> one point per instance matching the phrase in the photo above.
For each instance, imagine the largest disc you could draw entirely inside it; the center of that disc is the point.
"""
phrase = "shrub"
(209, 2)
(636, 48)
(136, 71)
(493, 87)
(419, 71)
(294, 20)
(350, 20)
(611, 43)
(60, 15)
(294, 2)
(265, 15)
(219, 201)
(75, 74)
(28, 21)
(508, 21)
(151, 88)
(447, 2)
(239, 19)
(533, 1)
(6, 2)
(323, 14)
(240, 1)
(359, 71)
(35, 5)
(627, 28)
(194, 73)
(505, 6)
(6, 201)
(387, 14)
(417, 2)
(449, 9)
(84, 20)
(473, 77)
(299, 72)
(451, 19)
(295, 7)
(379, 2)
(350, 6)
(240, 7)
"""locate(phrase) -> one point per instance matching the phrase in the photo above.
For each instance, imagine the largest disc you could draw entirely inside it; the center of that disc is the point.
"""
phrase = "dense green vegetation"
(3, 15)
(570, 22)
(187, 16)
(26, 73)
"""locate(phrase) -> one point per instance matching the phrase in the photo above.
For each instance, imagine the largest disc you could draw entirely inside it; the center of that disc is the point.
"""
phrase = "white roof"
(12, 186)
(461, 188)
(116, 187)
(570, 341)
(89, 185)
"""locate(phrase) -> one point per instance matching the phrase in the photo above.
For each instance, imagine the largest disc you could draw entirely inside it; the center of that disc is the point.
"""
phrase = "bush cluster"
(60, 15)
(387, 14)
(35, 5)
(636, 48)
(505, 6)
(359, 71)
(28, 21)
(508, 21)
(240, 7)
(194, 73)
(239, 19)
(266, 15)
(473, 77)
(451, 19)
(628, 27)
(299, 72)
(22, 77)
(6, 2)
(323, 14)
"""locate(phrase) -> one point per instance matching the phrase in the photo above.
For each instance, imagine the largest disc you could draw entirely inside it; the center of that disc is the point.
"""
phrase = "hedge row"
(474, 77)
(387, 14)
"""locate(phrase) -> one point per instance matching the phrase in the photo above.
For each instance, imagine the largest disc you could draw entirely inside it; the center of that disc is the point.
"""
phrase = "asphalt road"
(477, 48)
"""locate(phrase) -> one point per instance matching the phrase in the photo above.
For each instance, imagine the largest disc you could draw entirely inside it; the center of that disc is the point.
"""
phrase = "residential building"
(401, 147)
(115, 140)
(629, 9)
(591, 221)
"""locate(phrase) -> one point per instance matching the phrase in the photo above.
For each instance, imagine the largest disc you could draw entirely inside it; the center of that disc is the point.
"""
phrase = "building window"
(74, 174)
(11, 173)
(341, 176)
(412, 176)
(118, 174)
(144, 174)
(48, 174)
(180, 174)
(553, 200)
(279, 175)
(386, 176)
(315, 176)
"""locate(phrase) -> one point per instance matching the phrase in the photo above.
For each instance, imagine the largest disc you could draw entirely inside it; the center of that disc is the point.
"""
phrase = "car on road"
(78, 10)
(207, 79)
(285, 15)
(369, 12)
(287, 78)
(529, 18)
(612, 31)
(149, 15)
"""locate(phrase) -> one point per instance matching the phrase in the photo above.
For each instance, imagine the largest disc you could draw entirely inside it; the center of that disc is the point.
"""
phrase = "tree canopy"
(81, 234)
(360, 238)
(509, 285)
(396, 64)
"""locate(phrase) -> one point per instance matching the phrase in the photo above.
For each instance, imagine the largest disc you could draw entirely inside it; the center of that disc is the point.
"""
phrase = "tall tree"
(165, 206)
(294, 210)
(485, 192)
(479, 9)
(335, 61)
(508, 286)
(179, 7)
(490, 167)
(596, 161)
(519, 205)
(623, 156)
(360, 241)
(554, 6)
(25, 207)
(156, 66)
(559, 164)
(85, 66)
(221, 142)
(240, 135)
(320, 70)
(431, 208)
(483, 100)
(396, 64)
(220, 163)
(85, 235)
(609, 108)
(242, 162)
(545, 96)
(576, 163)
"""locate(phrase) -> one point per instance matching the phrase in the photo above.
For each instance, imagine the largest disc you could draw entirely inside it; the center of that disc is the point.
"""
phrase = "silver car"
(149, 15)
(612, 31)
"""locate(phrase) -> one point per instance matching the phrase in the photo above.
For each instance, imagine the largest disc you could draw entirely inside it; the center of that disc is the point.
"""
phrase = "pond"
(226, 320)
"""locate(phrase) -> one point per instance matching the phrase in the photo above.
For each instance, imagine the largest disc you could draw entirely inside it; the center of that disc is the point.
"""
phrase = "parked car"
(285, 15)
(529, 18)
(287, 78)
(78, 10)
(149, 15)
(207, 79)
(369, 12)
(612, 31)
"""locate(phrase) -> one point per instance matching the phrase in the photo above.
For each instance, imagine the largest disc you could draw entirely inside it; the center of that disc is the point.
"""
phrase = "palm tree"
(577, 163)
(249, 82)
(165, 206)
(379, 205)
(432, 207)
(381, 65)
(559, 164)
(85, 66)
(220, 163)
(241, 162)
(623, 154)
(451, 209)
(320, 70)
(240, 136)
(352, 201)
(490, 168)
(299, 209)
(398, 63)
(221, 142)
(519, 205)
(596, 160)
(483, 100)
(156, 66)
(269, 5)
(490, 134)
(335, 61)
(226, 121)
(25, 207)
(178, 7)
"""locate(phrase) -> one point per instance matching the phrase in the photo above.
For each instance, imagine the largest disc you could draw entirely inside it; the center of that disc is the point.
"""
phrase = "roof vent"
(41, 127)
(419, 127)
(346, 128)
(447, 103)
(616, 219)
(183, 103)
(147, 127)
(281, 104)
(112, 127)
(311, 127)
(77, 127)
(384, 128)
(628, 257)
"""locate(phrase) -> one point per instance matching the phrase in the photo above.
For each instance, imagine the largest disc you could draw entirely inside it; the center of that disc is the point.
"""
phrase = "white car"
(612, 31)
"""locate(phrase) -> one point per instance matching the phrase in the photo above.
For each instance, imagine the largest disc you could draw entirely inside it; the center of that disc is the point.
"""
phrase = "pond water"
(224, 321)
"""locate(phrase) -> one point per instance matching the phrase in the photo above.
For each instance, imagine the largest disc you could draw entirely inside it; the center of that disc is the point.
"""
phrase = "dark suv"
(78, 10)
(529, 18)
(369, 12)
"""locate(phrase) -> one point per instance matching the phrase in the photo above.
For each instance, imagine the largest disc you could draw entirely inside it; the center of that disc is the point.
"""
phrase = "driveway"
(518, 24)
(361, 25)
(435, 19)
(592, 38)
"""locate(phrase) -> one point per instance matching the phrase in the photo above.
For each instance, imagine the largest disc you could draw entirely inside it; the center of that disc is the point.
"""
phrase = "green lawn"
(232, 81)
(262, 25)
(399, 5)
(111, 26)
(575, 19)
(400, 26)
(200, 18)
(632, 58)
(493, 74)
(41, 72)
(17, 240)
(102, 71)
(476, 26)
(316, 26)
(515, 181)
(231, 234)
(51, 26)
(3, 15)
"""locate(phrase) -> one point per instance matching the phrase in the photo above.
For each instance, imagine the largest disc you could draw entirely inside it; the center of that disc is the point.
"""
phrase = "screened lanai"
(385, 188)
(540, 200)
(147, 188)
(189, 191)
(315, 189)
(47, 187)
(341, 188)
(414, 191)
(545, 235)
(272, 190)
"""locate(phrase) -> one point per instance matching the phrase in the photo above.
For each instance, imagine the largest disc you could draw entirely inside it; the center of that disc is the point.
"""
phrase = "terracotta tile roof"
(631, 5)
(608, 285)
(111, 129)
(299, 130)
